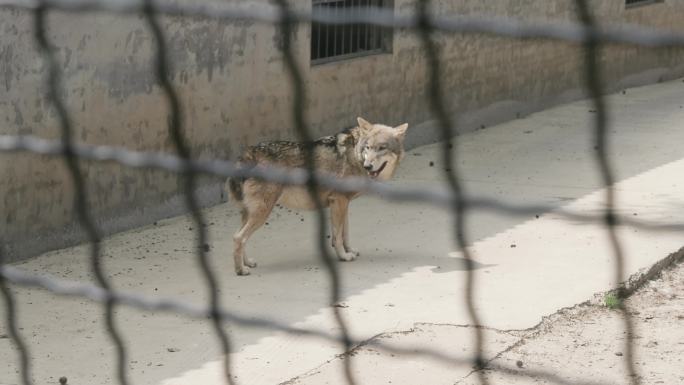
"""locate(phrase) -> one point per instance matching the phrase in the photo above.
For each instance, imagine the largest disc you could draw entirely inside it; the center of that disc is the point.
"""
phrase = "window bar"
(345, 27)
(334, 30)
(378, 30)
(350, 27)
(326, 27)
(318, 38)
(368, 27)
(373, 32)
(358, 26)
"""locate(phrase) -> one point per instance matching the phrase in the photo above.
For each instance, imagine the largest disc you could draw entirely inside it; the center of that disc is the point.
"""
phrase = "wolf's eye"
(382, 148)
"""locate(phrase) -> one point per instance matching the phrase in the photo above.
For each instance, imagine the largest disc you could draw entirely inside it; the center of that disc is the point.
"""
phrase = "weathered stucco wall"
(235, 92)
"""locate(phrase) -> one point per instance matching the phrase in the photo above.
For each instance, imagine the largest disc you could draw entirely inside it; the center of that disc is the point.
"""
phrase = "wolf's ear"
(400, 131)
(363, 124)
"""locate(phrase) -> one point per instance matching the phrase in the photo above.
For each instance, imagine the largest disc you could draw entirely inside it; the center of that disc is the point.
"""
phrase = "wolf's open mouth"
(374, 174)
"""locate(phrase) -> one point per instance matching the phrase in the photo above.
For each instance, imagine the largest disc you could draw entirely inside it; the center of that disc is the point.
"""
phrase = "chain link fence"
(424, 23)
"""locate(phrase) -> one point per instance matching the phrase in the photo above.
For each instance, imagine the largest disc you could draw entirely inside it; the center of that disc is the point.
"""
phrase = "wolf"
(372, 150)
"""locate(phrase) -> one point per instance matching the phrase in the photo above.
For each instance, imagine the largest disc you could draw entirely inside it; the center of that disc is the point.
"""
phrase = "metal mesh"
(424, 23)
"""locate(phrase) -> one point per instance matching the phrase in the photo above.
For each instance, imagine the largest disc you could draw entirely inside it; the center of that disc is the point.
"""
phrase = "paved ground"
(583, 344)
(409, 276)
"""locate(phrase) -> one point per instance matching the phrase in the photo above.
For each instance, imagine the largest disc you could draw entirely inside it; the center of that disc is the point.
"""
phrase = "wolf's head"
(380, 148)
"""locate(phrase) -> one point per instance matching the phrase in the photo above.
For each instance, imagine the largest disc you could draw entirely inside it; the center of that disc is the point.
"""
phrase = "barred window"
(339, 42)
(636, 3)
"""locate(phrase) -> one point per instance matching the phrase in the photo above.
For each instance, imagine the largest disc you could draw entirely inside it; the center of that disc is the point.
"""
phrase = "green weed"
(612, 301)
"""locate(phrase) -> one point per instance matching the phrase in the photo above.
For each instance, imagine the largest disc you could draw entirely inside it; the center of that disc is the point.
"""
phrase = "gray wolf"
(372, 150)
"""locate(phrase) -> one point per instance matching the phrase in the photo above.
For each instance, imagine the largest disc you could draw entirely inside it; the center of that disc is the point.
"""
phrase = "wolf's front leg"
(338, 219)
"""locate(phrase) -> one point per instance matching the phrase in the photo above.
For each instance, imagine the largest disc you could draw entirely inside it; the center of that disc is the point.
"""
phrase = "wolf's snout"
(368, 167)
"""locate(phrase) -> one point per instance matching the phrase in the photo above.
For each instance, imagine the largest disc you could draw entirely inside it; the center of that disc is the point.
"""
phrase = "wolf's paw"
(250, 262)
(347, 257)
(353, 251)
(244, 270)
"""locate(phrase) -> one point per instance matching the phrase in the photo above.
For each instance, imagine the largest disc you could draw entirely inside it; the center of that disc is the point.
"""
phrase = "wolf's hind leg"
(249, 262)
(252, 219)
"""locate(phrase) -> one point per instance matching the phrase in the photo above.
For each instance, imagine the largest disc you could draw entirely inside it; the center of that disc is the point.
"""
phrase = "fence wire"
(183, 150)
(458, 205)
(298, 106)
(80, 197)
(593, 77)
(424, 23)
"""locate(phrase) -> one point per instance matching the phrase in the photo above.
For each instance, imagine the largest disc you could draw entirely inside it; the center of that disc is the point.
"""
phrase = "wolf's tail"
(235, 188)
(236, 185)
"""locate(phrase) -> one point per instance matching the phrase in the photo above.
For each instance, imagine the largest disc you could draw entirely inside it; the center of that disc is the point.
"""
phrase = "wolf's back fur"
(330, 152)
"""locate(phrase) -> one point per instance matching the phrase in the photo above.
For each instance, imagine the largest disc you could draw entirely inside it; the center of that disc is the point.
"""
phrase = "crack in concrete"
(370, 340)
(351, 352)
(512, 332)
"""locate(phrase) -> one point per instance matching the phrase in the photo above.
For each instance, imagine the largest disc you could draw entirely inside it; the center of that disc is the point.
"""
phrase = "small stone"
(172, 350)
(205, 248)
(62, 380)
(513, 245)
(432, 163)
(619, 354)
(519, 363)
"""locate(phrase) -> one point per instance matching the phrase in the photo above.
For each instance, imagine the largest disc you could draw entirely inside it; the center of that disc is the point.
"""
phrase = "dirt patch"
(587, 343)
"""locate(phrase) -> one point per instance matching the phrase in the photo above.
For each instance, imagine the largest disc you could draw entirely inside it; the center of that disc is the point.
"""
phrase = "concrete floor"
(409, 273)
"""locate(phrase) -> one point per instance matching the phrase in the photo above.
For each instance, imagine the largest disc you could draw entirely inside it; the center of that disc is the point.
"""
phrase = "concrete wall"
(235, 92)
